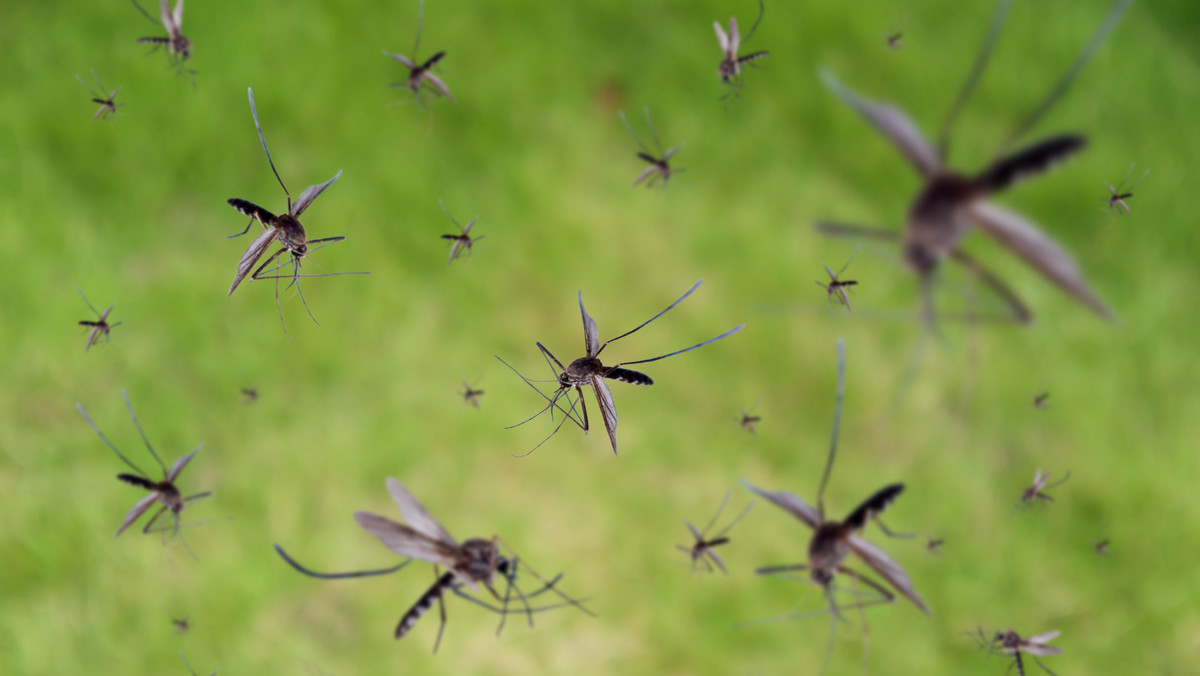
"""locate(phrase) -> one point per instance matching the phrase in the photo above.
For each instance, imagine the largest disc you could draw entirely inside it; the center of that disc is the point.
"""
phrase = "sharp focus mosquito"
(285, 228)
(471, 395)
(833, 540)
(421, 74)
(589, 370)
(1011, 643)
(703, 549)
(469, 564)
(750, 422)
(164, 492)
(950, 203)
(730, 68)
(99, 328)
(108, 107)
(462, 241)
(1118, 195)
(178, 47)
(839, 288)
(1040, 484)
(659, 161)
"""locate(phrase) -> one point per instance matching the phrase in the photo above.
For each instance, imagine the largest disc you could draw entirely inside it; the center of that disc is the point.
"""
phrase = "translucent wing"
(607, 409)
(646, 173)
(310, 193)
(716, 558)
(254, 252)
(165, 16)
(441, 86)
(416, 515)
(404, 540)
(177, 16)
(894, 124)
(722, 38)
(792, 504)
(138, 510)
(735, 38)
(888, 569)
(671, 153)
(401, 58)
(1035, 645)
(695, 533)
(180, 464)
(591, 337)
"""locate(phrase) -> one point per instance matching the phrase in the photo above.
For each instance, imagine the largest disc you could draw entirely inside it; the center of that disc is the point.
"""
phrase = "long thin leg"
(973, 79)
(109, 443)
(254, 113)
(441, 599)
(639, 326)
(837, 425)
(337, 576)
(138, 425)
(547, 585)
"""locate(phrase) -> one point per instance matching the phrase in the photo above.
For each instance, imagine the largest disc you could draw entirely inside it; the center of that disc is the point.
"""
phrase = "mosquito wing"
(888, 569)
(182, 462)
(401, 58)
(735, 38)
(722, 38)
(416, 515)
(1025, 240)
(591, 337)
(310, 193)
(168, 20)
(405, 541)
(671, 152)
(176, 18)
(892, 123)
(790, 503)
(716, 558)
(1035, 645)
(646, 173)
(438, 84)
(255, 251)
(695, 533)
(608, 410)
(138, 510)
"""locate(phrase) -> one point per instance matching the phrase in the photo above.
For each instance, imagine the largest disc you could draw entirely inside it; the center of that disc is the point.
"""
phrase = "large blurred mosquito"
(730, 68)
(837, 287)
(469, 564)
(833, 541)
(589, 370)
(285, 228)
(164, 492)
(1040, 485)
(1118, 195)
(421, 74)
(1011, 643)
(98, 328)
(108, 106)
(659, 161)
(462, 241)
(178, 47)
(950, 203)
(703, 549)
(471, 395)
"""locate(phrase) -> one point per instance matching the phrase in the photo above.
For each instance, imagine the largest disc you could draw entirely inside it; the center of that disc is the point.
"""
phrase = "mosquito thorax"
(584, 367)
(291, 233)
(479, 559)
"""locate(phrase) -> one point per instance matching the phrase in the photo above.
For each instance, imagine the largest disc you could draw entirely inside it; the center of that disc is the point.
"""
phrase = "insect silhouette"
(750, 422)
(839, 288)
(1011, 643)
(422, 74)
(703, 550)
(659, 161)
(934, 545)
(1040, 484)
(950, 203)
(163, 492)
(1041, 400)
(284, 228)
(178, 47)
(462, 241)
(1101, 546)
(730, 68)
(249, 395)
(1118, 195)
(471, 395)
(181, 625)
(99, 327)
(108, 106)
(833, 540)
(894, 40)
(589, 370)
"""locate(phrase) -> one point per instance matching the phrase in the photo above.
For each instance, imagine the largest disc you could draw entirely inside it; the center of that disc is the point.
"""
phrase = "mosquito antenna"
(153, 21)
(549, 436)
(639, 326)
(633, 133)
(653, 134)
(94, 94)
(733, 523)
(140, 432)
(761, 10)
(416, 45)
(728, 333)
(85, 300)
(839, 273)
(257, 126)
(535, 389)
(717, 515)
(447, 211)
(110, 444)
(837, 423)
(337, 576)
(973, 79)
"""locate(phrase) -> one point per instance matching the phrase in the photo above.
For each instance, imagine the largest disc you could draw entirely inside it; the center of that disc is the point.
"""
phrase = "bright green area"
(133, 211)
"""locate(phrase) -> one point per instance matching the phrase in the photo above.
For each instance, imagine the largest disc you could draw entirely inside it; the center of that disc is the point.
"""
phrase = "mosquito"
(1011, 643)
(589, 370)
(181, 625)
(833, 540)
(249, 395)
(951, 203)
(108, 107)
(471, 395)
(1101, 546)
(1041, 400)
(659, 161)
(839, 288)
(730, 68)
(750, 422)
(934, 545)
(285, 228)
(462, 241)
(894, 40)
(1118, 195)
(164, 491)
(100, 326)
(702, 550)
(422, 74)
(1040, 484)
(178, 47)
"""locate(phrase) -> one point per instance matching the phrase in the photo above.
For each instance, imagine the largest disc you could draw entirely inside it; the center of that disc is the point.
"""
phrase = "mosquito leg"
(442, 611)
(976, 71)
(892, 534)
(837, 424)
(150, 523)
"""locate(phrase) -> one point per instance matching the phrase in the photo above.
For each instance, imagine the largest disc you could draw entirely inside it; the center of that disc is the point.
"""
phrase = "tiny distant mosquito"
(1101, 546)
(249, 395)
(181, 625)
(589, 370)
(839, 288)
(1118, 195)
(730, 68)
(423, 73)
(1011, 643)
(164, 491)
(934, 546)
(462, 241)
(471, 395)
(178, 47)
(894, 40)
(702, 550)
(285, 228)
(98, 328)
(1040, 484)
(108, 107)
(659, 161)
(1041, 400)
(750, 422)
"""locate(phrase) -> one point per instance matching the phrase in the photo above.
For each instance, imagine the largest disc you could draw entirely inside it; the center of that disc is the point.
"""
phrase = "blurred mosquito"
(469, 564)
(589, 370)
(750, 422)
(1118, 195)
(181, 625)
(839, 288)
(1011, 643)
(471, 395)
(249, 395)
(164, 492)
(185, 662)
(108, 107)
(179, 48)
(950, 204)
(421, 74)
(462, 241)
(1041, 400)
(99, 328)
(1101, 546)
(934, 546)
(894, 40)
(659, 161)
(702, 550)
(730, 68)
(285, 228)
(1040, 484)
(833, 541)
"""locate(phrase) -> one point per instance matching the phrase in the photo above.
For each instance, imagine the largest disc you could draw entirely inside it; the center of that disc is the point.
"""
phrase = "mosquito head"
(183, 47)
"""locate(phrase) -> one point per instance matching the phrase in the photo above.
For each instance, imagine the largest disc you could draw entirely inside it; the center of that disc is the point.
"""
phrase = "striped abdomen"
(424, 603)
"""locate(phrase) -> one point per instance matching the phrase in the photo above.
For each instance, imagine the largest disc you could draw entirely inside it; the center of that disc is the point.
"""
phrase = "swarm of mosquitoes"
(485, 572)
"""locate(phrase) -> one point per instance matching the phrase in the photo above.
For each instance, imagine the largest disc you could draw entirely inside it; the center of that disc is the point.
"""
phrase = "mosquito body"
(181, 625)
(750, 422)
(1118, 195)
(659, 161)
(1011, 643)
(894, 40)
(1041, 400)
(249, 395)
(419, 73)
(108, 106)
(471, 395)
(950, 203)
(163, 492)
(462, 242)
(1040, 484)
(590, 371)
(1101, 547)
(839, 288)
(730, 68)
(934, 545)
(703, 549)
(178, 47)
(99, 327)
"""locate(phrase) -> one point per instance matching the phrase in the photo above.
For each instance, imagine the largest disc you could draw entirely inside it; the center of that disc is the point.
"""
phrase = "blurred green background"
(133, 211)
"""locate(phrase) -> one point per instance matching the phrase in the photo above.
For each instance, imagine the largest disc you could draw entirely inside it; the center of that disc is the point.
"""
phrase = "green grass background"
(134, 212)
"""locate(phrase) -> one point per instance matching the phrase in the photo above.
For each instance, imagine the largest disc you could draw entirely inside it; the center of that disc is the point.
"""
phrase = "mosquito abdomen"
(423, 604)
(135, 480)
(629, 376)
